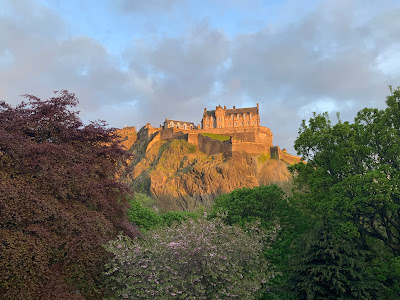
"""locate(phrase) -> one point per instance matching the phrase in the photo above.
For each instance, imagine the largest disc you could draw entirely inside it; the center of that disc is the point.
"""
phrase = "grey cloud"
(183, 71)
(39, 59)
(146, 6)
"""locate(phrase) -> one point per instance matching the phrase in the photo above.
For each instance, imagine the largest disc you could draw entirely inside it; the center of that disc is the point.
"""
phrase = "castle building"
(179, 124)
(223, 117)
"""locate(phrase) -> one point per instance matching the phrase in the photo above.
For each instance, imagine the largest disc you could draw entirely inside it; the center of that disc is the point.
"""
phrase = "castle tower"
(220, 117)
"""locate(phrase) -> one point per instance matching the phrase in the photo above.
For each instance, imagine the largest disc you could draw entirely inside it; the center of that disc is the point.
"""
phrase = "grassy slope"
(217, 137)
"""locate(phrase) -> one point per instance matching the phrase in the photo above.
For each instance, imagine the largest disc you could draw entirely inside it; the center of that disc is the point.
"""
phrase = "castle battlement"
(241, 124)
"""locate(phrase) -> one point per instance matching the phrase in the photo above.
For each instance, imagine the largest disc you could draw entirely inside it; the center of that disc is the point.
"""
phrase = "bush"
(194, 260)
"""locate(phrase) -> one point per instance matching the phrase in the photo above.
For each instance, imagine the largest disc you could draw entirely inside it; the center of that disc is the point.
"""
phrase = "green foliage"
(295, 220)
(194, 260)
(327, 266)
(171, 217)
(353, 177)
(143, 217)
(144, 199)
(247, 205)
(218, 137)
(146, 218)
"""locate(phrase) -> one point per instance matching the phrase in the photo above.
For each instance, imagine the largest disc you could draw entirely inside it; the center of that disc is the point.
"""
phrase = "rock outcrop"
(181, 177)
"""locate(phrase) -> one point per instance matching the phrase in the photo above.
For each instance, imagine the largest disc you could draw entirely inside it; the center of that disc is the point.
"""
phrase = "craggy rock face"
(181, 177)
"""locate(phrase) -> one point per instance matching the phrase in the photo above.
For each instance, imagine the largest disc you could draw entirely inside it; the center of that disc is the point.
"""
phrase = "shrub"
(193, 260)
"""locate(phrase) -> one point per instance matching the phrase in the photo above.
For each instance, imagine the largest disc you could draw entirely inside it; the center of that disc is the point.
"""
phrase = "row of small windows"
(230, 124)
(232, 117)
(184, 126)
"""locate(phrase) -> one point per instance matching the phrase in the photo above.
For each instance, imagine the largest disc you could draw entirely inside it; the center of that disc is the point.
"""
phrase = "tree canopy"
(59, 199)
(352, 180)
(353, 170)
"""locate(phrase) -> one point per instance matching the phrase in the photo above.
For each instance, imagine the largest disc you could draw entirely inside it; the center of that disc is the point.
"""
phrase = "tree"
(353, 177)
(197, 259)
(327, 266)
(60, 200)
(246, 205)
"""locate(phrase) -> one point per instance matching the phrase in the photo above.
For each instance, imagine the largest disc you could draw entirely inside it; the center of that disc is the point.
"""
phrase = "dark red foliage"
(59, 200)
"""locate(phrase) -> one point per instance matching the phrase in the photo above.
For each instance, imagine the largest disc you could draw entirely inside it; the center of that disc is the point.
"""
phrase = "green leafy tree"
(327, 266)
(246, 205)
(146, 218)
(352, 176)
(143, 217)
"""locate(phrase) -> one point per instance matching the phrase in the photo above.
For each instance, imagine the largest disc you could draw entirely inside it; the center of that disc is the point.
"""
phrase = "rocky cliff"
(181, 177)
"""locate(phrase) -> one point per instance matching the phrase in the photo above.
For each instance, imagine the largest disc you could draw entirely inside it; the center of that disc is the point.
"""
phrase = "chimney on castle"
(205, 109)
(224, 107)
(257, 106)
(234, 107)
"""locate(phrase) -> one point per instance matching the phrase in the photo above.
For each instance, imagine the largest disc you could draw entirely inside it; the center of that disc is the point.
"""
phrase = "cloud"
(338, 55)
(147, 6)
(183, 70)
(38, 57)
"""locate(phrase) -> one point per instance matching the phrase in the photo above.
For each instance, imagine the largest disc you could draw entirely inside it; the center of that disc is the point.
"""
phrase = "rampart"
(251, 134)
(210, 146)
(128, 136)
(251, 140)
(277, 153)
(249, 147)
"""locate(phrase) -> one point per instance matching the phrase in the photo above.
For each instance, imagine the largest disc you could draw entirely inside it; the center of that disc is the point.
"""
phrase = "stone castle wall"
(210, 146)
(128, 136)
(247, 136)
(249, 147)
(277, 153)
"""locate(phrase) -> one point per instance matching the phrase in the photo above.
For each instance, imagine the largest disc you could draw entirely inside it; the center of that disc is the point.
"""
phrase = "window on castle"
(232, 117)
(230, 124)
(251, 116)
(235, 124)
(254, 123)
(171, 124)
(241, 123)
(184, 126)
(248, 123)
(238, 116)
(206, 126)
(244, 116)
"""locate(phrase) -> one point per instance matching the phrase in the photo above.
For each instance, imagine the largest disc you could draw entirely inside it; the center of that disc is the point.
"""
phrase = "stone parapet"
(210, 146)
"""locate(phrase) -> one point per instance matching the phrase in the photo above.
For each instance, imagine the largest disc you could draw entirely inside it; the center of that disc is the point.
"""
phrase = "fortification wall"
(248, 147)
(277, 153)
(250, 134)
(193, 138)
(167, 133)
(210, 146)
(128, 136)
(253, 140)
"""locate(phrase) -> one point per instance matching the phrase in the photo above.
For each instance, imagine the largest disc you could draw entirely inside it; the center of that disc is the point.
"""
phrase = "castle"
(240, 125)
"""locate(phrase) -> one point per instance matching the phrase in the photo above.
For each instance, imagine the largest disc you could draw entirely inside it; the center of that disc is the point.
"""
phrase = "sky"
(131, 62)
